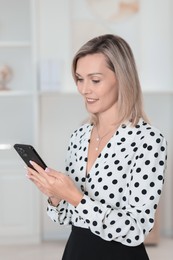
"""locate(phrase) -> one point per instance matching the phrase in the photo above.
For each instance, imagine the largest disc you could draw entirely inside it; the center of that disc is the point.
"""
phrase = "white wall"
(159, 107)
(156, 45)
(155, 40)
(54, 36)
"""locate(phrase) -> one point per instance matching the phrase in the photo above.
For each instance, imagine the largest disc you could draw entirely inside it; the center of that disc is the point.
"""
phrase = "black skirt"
(84, 245)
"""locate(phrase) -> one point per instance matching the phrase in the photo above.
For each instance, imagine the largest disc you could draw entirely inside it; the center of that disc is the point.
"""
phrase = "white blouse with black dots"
(123, 187)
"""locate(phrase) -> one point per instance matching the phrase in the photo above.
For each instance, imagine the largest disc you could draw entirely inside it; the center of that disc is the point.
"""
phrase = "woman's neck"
(104, 122)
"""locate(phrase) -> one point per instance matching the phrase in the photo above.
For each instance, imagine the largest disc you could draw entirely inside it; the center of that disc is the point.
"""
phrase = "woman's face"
(97, 84)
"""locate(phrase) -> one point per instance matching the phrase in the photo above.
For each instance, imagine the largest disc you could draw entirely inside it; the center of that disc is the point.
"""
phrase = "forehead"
(91, 62)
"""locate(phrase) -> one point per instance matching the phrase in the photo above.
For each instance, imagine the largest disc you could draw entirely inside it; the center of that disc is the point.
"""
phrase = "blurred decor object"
(115, 10)
(5, 76)
(5, 146)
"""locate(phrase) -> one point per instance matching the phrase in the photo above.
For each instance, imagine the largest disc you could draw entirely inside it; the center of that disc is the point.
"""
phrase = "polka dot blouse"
(123, 187)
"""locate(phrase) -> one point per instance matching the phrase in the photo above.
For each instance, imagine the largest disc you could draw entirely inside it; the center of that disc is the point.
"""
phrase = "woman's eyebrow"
(90, 74)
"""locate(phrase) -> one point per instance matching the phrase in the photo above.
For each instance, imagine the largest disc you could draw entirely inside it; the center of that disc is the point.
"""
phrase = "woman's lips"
(91, 100)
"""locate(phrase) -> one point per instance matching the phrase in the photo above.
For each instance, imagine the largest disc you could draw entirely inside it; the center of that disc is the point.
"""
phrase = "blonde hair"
(120, 60)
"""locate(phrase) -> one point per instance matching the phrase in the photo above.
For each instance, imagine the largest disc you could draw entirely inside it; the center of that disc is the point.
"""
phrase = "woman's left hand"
(54, 184)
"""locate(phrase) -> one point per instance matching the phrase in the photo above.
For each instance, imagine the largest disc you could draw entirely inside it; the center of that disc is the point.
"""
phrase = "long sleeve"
(63, 212)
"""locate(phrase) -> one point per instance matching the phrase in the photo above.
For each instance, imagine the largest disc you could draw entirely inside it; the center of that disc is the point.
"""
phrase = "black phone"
(28, 153)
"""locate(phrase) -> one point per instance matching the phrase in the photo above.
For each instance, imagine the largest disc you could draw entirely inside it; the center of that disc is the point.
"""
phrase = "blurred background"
(39, 104)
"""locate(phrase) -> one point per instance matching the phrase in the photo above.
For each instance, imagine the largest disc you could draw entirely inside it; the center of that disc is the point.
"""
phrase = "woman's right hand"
(55, 184)
(47, 180)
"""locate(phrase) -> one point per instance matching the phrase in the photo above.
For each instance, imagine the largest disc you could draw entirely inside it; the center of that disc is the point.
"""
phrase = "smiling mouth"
(91, 100)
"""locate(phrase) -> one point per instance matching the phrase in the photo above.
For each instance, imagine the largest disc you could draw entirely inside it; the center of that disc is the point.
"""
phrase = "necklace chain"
(100, 138)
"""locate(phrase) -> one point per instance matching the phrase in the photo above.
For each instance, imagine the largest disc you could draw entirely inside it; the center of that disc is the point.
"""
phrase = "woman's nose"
(86, 88)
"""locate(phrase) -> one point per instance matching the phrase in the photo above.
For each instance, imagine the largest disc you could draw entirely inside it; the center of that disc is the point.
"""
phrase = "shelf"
(10, 165)
(157, 92)
(5, 146)
(20, 117)
(75, 92)
(13, 93)
(50, 93)
(15, 44)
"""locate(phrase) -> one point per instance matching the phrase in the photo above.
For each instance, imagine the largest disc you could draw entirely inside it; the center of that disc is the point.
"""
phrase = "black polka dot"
(96, 193)
(120, 190)
(127, 222)
(110, 235)
(149, 148)
(132, 228)
(145, 177)
(116, 162)
(137, 237)
(147, 162)
(142, 220)
(106, 155)
(96, 209)
(161, 163)
(136, 199)
(151, 220)
(111, 195)
(158, 140)
(147, 211)
(136, 184)
(152, 133)
(160, 177)
(85, 211)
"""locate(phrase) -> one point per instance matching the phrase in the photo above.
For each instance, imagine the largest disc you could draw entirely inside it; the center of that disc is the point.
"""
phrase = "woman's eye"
(79, 79)
(95, 81)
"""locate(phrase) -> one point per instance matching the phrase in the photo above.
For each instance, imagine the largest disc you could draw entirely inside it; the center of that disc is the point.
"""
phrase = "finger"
(39, 169)
(40, 176)
(33, 175)
(53, 173)
(37, 184)
(31, 172)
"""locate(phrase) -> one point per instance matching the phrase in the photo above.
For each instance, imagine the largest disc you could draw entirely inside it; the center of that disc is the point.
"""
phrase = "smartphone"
(28, 153)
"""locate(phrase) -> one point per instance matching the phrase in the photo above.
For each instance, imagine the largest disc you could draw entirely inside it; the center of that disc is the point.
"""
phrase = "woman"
(115, 163)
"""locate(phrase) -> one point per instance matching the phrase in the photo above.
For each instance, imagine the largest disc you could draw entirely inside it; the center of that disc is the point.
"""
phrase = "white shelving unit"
(19, 200)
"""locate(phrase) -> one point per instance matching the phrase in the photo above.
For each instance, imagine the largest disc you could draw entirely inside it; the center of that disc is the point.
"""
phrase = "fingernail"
(31, 162)
(47, 170)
